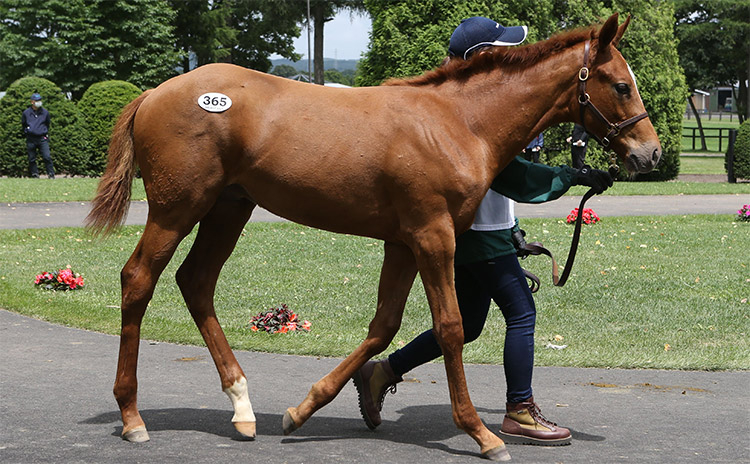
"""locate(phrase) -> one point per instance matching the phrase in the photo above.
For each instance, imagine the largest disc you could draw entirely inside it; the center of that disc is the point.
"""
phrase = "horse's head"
(611, 108)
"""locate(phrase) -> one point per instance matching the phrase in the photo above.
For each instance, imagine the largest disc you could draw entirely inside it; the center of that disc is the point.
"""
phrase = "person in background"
(487, 269)
(578, 142)
(35, 121)
(534, 148)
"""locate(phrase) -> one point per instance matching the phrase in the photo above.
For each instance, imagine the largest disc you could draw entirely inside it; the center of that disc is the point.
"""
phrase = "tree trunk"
(319, 20)
(704, 148)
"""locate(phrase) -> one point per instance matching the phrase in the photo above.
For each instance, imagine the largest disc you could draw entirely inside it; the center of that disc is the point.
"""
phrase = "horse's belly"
(326, 200)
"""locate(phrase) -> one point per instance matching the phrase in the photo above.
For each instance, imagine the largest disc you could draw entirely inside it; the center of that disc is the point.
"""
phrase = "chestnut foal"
(407, 163)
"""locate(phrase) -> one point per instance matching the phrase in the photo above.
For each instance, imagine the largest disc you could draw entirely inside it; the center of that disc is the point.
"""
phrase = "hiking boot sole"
(359, 384)
(526, 440)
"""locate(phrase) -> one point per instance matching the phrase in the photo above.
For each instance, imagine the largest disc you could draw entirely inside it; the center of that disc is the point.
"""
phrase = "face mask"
(37, 104)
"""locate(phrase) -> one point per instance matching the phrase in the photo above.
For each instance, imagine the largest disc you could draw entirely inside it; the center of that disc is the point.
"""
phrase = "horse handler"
(35, 121)
(487, 269)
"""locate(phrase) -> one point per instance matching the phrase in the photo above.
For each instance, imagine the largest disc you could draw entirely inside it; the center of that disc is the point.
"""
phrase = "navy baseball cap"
(36, 97)
(479, 31)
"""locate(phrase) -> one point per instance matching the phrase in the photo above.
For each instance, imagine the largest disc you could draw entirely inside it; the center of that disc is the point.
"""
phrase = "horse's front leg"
(435, 258)
(396, 279)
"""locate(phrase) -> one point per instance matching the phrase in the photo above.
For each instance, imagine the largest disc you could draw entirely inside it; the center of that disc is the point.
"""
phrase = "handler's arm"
(527, 182)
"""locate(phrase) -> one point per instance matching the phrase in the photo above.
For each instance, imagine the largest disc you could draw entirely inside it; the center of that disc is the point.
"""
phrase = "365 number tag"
(214, 102)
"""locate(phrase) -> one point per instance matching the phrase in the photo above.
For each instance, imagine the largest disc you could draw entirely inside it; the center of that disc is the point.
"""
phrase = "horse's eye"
(622, 89)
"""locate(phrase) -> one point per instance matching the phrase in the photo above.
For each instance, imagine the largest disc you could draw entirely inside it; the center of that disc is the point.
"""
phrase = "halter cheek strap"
(585, 102)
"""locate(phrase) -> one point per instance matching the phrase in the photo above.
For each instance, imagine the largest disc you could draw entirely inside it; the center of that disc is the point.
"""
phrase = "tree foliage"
(715, 45)
(410, 37)
(68, 135)
(202, 29)
(264, 27)
(100, 107)
(76, 43)
(284, 70)
(243, 32)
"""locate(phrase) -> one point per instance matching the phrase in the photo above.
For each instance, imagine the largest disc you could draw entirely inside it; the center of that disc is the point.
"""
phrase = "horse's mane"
(505, 57)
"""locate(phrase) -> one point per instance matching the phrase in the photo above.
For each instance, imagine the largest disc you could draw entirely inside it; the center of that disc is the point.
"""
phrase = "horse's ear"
(608, 32)
(620, 32)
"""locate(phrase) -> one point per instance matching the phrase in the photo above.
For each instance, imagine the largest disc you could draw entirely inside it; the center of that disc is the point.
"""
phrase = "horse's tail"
(110, 205)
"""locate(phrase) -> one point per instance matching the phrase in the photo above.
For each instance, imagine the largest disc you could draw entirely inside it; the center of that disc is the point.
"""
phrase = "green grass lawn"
(25, 190)
(646, 292)
(702, 165)
(712, 144)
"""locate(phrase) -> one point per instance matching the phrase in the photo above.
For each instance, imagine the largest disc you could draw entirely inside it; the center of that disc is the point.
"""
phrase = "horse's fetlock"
(321, 391)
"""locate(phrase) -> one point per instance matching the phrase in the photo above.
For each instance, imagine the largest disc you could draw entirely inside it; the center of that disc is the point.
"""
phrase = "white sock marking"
(243, 410)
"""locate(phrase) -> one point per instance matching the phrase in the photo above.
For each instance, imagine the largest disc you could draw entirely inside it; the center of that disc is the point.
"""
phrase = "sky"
(345, 37)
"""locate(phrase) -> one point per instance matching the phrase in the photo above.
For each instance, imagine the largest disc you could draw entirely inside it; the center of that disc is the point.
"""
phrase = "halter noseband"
(585, 101)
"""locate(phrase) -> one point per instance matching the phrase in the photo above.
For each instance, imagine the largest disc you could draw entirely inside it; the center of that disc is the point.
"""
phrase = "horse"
(407, 163)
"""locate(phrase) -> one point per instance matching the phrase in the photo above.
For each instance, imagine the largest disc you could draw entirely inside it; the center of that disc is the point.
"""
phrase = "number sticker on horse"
(214, 102)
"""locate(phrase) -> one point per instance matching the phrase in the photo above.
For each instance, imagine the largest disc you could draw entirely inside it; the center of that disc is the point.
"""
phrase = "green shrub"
(742, 152)
(100, 106)
(68, 137)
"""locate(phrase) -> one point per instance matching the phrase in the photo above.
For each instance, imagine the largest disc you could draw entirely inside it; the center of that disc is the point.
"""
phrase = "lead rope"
(613, 170)
(536, 248)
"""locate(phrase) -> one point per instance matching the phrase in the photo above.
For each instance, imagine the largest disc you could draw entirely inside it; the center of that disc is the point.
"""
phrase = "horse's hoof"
(136, 435)
(247, 429)
(499, 453)
(288, 422)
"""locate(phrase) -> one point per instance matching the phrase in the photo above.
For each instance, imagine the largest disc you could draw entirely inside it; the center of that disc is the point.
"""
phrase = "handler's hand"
(595, 178)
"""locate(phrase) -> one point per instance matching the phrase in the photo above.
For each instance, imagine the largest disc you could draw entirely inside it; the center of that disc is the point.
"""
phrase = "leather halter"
(585, 101)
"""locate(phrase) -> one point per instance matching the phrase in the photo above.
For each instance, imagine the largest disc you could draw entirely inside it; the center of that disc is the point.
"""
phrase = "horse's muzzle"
(643, 164)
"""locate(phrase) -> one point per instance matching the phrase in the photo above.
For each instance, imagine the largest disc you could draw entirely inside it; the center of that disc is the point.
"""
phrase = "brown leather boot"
(373, 381)
(524, 424)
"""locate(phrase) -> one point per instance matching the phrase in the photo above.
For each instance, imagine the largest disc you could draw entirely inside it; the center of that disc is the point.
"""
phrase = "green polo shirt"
(524, 182)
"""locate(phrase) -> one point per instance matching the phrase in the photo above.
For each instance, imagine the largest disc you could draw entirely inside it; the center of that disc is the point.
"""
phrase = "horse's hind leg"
(217, 235)
(138, 279)
(396, 279)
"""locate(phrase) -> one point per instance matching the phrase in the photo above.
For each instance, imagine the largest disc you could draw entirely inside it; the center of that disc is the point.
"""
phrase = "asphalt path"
(72, 214)
(56, 404)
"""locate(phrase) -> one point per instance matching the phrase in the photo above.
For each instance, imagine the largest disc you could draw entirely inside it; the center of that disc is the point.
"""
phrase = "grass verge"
(646, 292)
(702, 165)
(24, 190)
(27, 190)
(712, 144)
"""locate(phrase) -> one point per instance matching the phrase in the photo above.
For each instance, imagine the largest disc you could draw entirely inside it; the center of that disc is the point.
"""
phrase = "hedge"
(742, 152)
(100, 106)
(68, 135)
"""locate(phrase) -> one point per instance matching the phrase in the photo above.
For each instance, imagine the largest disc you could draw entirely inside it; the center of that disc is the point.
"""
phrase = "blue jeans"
(42, 143)
(500, 279)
